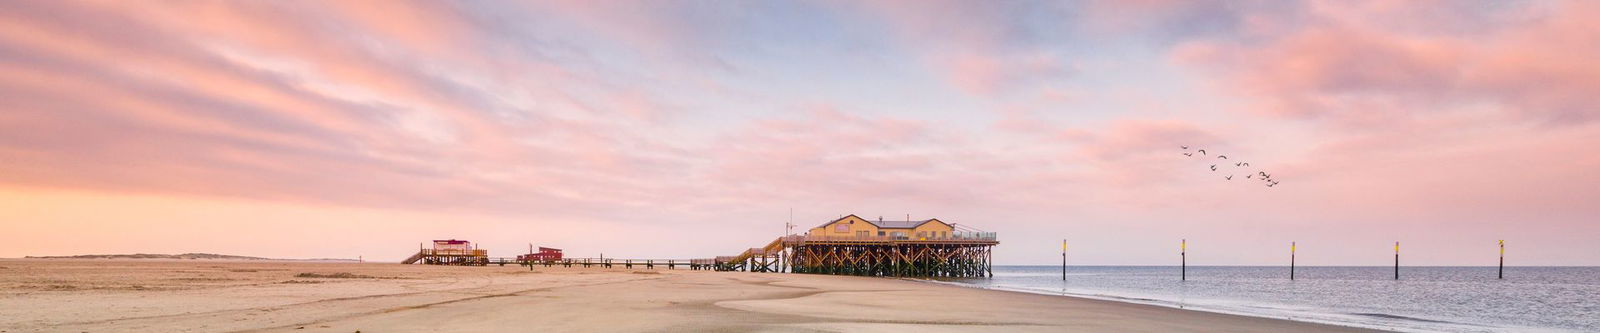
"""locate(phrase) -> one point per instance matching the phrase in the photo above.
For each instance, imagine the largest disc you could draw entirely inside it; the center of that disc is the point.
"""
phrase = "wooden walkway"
(693, 264)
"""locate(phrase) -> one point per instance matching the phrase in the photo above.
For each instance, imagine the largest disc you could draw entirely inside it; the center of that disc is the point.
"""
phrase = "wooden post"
(1183, 260)
(1291, 261)
(1502, 273)
(1396, 260)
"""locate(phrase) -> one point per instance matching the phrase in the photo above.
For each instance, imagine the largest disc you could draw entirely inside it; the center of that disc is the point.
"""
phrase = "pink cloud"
(974, 46)
(1413, 112)
(828, 151)
(1349, 58)
(154, 101)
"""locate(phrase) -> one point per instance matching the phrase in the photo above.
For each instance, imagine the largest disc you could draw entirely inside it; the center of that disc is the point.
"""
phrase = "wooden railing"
(475, 253)
(959, 236)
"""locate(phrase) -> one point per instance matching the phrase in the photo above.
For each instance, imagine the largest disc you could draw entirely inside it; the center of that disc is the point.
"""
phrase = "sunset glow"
(338, 129)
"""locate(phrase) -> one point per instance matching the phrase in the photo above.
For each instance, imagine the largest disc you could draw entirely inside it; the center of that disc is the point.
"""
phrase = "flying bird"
(1265, 178)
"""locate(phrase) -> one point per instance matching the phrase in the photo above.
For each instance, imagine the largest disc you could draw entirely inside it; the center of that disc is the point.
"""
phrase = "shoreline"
(1176, 306)
(128, 295)
(1478, 302)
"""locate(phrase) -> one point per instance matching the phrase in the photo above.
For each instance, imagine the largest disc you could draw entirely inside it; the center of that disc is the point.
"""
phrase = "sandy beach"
(215, 296)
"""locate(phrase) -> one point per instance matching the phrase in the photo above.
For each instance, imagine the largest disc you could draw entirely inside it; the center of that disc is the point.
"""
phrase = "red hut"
(544, 254)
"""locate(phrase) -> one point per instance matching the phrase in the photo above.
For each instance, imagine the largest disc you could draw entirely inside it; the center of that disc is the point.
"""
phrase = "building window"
(862, 233)
(880, 233)
(841, 227)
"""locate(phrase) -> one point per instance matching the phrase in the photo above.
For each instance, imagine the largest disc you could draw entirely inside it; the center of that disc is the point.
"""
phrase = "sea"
(1424, 299)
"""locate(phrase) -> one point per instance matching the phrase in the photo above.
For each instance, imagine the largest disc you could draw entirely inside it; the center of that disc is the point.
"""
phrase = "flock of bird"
(1264, 177)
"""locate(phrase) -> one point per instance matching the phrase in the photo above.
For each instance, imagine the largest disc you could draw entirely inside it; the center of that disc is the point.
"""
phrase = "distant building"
(854, 226)
(544, 254)
(452, 246)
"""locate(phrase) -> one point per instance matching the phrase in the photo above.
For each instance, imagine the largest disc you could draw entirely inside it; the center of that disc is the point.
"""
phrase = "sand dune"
(187, 296)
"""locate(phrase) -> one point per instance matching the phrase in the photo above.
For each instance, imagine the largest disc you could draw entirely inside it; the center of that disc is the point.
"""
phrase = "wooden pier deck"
(962, 255)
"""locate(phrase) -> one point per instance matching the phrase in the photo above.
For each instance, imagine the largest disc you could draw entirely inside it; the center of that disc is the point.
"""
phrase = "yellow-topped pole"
(1502, 274)
(1183, 260)
(1063, 260)
(1396, 260)
(1291, 260)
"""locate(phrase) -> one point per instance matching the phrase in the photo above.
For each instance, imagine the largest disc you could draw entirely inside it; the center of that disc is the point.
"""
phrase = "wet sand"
(74, 295)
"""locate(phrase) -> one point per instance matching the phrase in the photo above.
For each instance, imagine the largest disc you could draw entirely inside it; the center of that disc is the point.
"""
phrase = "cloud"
(291, 102)
(1520, 59)
(827, 152)
(980, 48)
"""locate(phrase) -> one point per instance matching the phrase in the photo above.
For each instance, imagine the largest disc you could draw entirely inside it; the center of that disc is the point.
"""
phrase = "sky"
(688, 129)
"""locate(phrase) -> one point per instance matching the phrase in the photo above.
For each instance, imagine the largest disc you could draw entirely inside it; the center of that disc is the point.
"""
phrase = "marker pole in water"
(1291, 261)
(1063, 260)
(1502, 274)
(1183, 260)
(1396, 260)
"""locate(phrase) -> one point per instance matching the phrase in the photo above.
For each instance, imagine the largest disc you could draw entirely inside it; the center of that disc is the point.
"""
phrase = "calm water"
(1453, 299)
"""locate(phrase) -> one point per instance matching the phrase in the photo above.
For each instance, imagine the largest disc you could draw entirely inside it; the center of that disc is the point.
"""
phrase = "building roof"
(883, 224)
(449, 241)
(899, 224)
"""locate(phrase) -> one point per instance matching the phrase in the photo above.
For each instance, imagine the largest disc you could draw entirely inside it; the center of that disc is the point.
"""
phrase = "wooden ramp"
(756, 259)
(413, 259)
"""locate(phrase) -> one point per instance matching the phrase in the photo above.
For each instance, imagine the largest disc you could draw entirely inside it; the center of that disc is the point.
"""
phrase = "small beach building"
(855, 226)
(452, 246)
(544, 254)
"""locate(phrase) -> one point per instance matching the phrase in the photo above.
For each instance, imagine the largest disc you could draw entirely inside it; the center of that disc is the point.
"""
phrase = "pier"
(850, 245)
